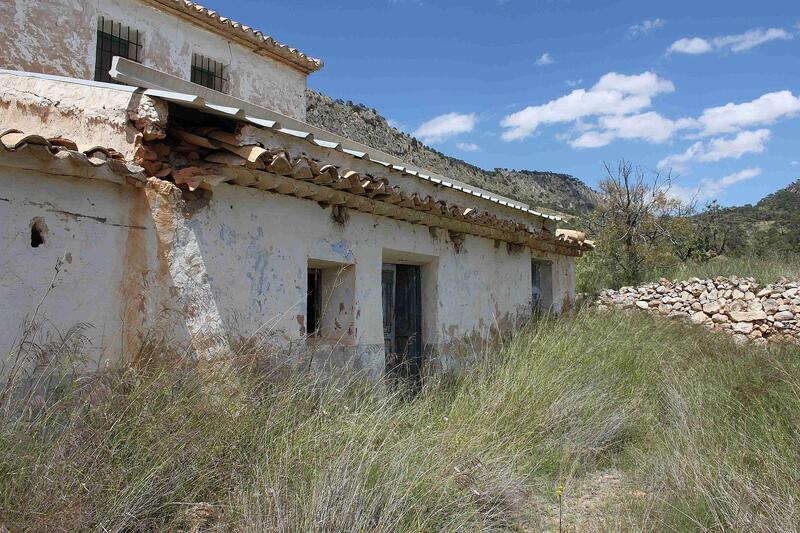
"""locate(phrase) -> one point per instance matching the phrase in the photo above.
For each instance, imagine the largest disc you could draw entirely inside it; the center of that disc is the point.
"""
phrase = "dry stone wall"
(738, 306)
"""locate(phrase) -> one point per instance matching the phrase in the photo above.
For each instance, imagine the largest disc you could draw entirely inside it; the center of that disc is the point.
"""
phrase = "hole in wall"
(38, 232)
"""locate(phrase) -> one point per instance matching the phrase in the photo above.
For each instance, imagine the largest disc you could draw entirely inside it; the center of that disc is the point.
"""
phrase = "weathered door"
(387, 282)
(402, 321)
(536, 285)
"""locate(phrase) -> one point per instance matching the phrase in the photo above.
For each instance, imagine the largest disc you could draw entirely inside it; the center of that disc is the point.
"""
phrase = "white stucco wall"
(235, 265)
(59, 37)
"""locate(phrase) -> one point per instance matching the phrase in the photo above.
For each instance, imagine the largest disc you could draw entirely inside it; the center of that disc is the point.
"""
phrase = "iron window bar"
(115, 39)
(209, 73)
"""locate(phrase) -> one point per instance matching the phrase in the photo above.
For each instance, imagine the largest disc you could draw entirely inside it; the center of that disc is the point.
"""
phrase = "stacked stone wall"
(738, 306)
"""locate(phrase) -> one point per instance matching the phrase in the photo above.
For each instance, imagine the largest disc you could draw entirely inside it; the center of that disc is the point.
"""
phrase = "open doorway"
(402, 322)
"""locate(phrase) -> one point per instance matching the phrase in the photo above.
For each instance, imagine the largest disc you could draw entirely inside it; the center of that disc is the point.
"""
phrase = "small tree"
(639, 226)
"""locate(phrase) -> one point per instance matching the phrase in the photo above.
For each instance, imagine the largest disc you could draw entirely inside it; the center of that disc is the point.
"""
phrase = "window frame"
(210, 73)
(114, 39)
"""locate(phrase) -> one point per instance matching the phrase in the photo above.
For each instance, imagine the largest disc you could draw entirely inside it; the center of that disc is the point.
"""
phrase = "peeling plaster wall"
(99, 235)
(212, 267)
(94, 116)
(59, 37)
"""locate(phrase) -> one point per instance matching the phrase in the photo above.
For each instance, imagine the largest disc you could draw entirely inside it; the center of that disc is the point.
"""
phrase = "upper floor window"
(115, 39)
(209, 73)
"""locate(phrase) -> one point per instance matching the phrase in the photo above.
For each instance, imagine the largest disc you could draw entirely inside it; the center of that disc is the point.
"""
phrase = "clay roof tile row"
(206, 156)
(66, 153)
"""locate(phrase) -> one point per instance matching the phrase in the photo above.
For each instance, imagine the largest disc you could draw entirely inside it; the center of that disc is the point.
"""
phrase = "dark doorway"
(402, 322)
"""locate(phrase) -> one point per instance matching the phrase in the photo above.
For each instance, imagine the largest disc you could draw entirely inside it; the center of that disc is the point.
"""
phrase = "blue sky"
(564, 85)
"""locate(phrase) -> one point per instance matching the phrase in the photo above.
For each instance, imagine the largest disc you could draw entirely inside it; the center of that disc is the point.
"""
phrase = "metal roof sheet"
(199, 103)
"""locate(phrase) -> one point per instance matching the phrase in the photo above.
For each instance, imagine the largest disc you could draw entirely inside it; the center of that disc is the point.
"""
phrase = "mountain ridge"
(770, 226)
(544, 190)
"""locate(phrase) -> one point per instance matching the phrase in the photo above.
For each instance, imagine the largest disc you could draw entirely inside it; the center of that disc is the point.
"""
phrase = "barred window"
(115, 39)
(209, 73)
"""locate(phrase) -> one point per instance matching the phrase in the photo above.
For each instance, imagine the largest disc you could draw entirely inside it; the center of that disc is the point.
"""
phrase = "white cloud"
(765, 109)
(468, 147)
(650, 126)
(445, 126)
(646, 84)
(750, 39)
(735, 43)
(544, 60)
(693, 45)
(646, 26)
(746, 142)
(613, 94)
(709, 189)
(795, 163)
(616, 107)
(574, 83)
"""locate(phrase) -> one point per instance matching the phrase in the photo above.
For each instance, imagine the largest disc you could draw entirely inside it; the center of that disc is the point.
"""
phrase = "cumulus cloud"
(468, 147)
(613, 94)
(445, 126)
(646, 26)
(735, 43)
(616, 107)
(765, 109)
(709, 189)
(574, 83)
(745, 142)
(544, 59)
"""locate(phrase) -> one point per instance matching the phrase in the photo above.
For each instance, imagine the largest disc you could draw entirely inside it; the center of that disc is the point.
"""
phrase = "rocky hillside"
(734, 305)
(547, 190)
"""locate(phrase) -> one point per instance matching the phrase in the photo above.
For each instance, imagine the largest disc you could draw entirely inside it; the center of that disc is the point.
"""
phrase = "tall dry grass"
(705, 430)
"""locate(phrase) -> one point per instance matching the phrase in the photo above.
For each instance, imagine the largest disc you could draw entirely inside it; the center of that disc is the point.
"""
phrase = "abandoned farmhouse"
(156, 174)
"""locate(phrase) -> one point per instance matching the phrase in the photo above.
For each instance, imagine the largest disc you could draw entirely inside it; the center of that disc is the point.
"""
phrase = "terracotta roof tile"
(205, 157)
(59, 155)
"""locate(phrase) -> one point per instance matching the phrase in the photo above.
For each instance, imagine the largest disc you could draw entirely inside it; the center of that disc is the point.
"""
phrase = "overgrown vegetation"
(643, 233)
(246, 444)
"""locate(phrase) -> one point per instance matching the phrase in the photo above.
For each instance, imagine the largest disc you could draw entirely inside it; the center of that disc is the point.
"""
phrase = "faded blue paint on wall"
(342, 248)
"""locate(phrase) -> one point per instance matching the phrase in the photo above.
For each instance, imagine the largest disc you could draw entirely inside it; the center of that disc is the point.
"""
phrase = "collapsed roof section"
(203, 151)
(185, 94)
(185, 139)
